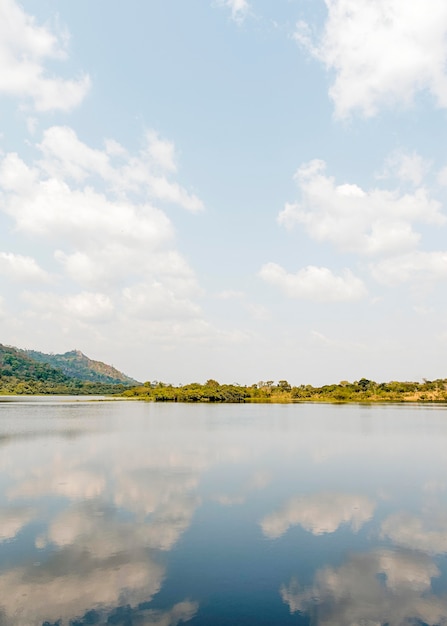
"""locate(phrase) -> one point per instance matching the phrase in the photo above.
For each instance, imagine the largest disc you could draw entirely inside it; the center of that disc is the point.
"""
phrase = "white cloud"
(239, 8)
(314, 283)
(407, 167)
(161, 151)
(21, 268)
(414, 266)
(159, 302)
(66, 157)
(115, 251)
(145, 301)
(382, 53)
(24, 49)
(90, 305)
(366, 222)
(319, 513)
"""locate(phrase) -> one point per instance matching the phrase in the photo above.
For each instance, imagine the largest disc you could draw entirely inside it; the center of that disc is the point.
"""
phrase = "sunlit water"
(130, 513)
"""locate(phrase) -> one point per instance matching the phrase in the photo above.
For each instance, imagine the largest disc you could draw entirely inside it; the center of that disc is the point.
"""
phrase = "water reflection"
(427, 532)
(319, 513)
(380, 587)
(258, 481)
(146, 514)
(13, 519)
(100, 512)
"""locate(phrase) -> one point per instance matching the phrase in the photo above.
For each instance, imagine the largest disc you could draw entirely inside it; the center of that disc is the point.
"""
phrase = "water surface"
(134, 514)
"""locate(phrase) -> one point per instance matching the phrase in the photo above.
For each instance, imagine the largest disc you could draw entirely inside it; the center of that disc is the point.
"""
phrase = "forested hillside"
(77, 365)
(20, 373)
(16, 364)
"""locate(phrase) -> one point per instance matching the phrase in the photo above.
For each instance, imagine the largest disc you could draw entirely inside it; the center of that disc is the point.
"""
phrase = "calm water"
(134, 514)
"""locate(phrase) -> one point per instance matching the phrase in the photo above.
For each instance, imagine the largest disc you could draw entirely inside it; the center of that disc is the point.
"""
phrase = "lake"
(133, 513)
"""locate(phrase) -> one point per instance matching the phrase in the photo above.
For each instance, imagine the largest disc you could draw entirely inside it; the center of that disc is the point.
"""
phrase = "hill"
(17, 364)
(75, 364)
(30, 372)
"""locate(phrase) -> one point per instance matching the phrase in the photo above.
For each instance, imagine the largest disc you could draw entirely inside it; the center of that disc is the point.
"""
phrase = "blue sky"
(242, 190)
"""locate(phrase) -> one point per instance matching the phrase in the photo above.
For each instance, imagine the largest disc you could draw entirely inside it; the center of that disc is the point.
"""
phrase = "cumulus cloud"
(85, 307)
(159, 302)
(21, 268)
(407, 167)
(375, 223)
(115, 250)
(319, 513)
(239, 8)
(380, 587)
(381, 53)
(24, 49)
(314, 283)
(66, 157)
(367, 222)
(413, 266)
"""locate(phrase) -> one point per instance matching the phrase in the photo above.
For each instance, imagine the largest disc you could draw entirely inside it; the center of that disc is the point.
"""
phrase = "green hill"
(17, 364)
(75, 364)
(30, 372)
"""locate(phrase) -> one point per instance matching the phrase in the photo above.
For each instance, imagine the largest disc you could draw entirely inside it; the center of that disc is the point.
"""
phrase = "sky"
(243, 190)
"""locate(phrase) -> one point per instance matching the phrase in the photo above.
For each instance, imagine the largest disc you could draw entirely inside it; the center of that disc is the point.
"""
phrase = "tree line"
(363, 390)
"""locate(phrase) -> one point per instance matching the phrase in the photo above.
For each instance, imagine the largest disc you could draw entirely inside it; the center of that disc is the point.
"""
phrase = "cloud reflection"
(427, 533)
(319, 513)
(98, 561)
(69, 482)
(103, 538)
(258, 481)
(12, 520)
(105, 516)
(380, 587)
(73, 581)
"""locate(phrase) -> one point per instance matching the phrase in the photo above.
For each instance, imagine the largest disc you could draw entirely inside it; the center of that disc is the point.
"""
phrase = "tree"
(283, 385)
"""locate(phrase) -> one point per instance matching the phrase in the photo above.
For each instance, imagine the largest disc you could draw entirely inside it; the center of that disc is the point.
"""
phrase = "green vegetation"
(211, 391)
(74, 364)
(363, 390)
(23, 375)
